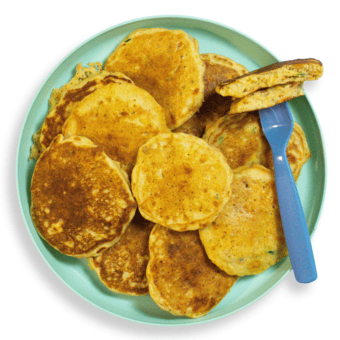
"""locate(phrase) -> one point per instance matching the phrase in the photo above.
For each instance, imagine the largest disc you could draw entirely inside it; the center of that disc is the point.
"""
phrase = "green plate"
(212, 37)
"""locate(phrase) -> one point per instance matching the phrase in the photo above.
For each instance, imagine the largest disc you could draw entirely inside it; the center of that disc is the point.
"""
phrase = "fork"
(277, 125)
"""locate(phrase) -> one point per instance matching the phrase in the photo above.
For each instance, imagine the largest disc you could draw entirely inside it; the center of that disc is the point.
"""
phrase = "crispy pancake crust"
(218, 69)
(120, 117)
(182, 280)
(265, 98)
(247, 237)
(165, 63)
(180, 181)
(81, 200)
(122, 267)
(298, 70)
(242, 141)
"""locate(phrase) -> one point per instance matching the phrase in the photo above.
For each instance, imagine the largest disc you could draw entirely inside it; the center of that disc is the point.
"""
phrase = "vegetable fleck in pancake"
(166, 63)
(242, 141)
(120, 117)
(180, 181)
(81, 200)
(182, 280)
(247, 237)
(298, 70)
(218, 69)
(265, 98)
(122, 267)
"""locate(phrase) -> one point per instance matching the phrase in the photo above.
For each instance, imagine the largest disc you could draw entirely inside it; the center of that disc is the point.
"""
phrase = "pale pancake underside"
(81, 200)
(182, 280)
(180, 182)
(165, 63)
(247, 237)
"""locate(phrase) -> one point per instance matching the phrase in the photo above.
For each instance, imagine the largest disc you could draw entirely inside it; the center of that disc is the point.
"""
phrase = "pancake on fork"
(81, 199)
(298, 70)
(166, 63)
(242, 141)
(120, 117)
(182, 279)
(180, 181)
(247, 237)
(122, 267)
(265, 98)
(218, 69)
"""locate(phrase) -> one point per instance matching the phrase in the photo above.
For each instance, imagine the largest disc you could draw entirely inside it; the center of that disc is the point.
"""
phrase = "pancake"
(180, 181)
(241, 140)
(63, 101)
(265, 98)
(120, 117)
(247, 237)
(55, 120)
(122, 267)
(218, 69)
(298, 70)
(81, 200)
(166, 63)
(182, 280)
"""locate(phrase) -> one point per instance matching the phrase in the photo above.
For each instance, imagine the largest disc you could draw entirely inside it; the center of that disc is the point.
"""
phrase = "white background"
(35, 37)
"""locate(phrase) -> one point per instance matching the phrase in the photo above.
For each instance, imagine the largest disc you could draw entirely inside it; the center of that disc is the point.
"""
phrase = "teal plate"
(212, 37)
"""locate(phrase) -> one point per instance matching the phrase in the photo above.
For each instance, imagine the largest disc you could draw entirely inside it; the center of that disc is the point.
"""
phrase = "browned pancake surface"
(81, 203)
(182, 280)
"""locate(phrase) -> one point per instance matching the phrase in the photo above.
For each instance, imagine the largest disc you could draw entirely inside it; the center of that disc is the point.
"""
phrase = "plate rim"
(163, 322)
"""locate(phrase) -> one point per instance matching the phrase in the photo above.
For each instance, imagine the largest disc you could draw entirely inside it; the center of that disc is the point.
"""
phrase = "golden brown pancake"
(182, 280)
(240, 138)
(247, 237)
(242, 141)
(218, 69)
(166, 63)
(81, 200)
(122, 267)
(70, 98)
(54, 121)
(120, 117)
(298, 70)
(265, 98)
(180, 181)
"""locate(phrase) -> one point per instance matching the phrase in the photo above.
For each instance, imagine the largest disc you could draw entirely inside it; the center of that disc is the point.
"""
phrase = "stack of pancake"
(142, 169)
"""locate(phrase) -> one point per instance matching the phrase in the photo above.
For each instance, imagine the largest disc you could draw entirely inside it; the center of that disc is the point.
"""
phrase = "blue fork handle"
(294, 222)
